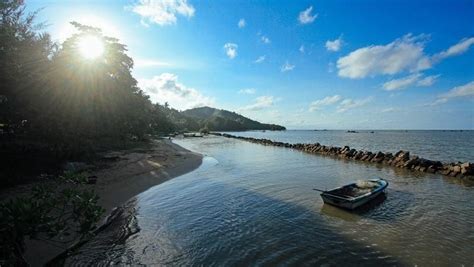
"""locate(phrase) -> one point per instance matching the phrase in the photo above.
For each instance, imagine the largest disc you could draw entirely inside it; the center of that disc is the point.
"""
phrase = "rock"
(358, 155)
(351, 153)
(411, 162)
(456, 169)
(404, 156)
(370, 156)
(388, 158)
(379, 157)
(431, 169)
(467, 168)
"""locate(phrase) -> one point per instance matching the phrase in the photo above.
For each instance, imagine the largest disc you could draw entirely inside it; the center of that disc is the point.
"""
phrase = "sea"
(254, 205)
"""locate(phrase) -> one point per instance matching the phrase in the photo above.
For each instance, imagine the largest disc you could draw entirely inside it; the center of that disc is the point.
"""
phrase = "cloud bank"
(416, 79)
(162, 12)
(260, 103)
(166, 88)
(405, 54)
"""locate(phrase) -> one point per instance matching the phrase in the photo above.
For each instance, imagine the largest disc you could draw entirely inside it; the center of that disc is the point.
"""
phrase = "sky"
(337, 64)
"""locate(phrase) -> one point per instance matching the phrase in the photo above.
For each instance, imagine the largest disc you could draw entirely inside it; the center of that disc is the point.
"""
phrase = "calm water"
(253, 205)
(449, 146)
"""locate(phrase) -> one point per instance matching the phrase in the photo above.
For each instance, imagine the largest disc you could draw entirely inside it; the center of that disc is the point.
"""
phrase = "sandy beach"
(121, 175)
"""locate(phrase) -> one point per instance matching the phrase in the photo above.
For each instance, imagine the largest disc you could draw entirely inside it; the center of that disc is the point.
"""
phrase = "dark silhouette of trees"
(55, 100)
(24, 54)
(97, 99)
(56, 104)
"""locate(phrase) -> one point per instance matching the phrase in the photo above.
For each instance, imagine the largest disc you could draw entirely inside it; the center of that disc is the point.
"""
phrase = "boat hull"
(353, 203)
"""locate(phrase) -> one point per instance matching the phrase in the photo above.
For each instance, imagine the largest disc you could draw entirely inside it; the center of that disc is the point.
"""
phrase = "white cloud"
(230, 50)
(145, 63)
(265, 39)
(306, 17)
(386, 110)
(241, 23)
(466, 90)
(247, 91)
(328, 100)
(260, 59)
(427, 81)
(260, 103)
(438, 101)
(460, 91)
(404, 54)
(455, 50)
(396, 84)
(287, 67)
(335, 45)
(416, 79)
(162, 12)
(302, 49)
(166, 88)
(348, 104)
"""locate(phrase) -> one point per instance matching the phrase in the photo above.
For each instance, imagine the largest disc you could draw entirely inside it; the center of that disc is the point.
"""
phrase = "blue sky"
(303, 64)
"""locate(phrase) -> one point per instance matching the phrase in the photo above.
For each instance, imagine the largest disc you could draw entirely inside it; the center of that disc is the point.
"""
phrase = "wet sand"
(121, 175)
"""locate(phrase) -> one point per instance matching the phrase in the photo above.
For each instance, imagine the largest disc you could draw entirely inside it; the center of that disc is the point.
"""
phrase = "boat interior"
(355, 189)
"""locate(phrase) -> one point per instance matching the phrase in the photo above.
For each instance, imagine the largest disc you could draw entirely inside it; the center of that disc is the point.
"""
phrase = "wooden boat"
(355, 194)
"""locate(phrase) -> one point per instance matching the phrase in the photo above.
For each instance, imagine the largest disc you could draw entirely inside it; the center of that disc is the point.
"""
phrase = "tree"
(100, 96)
(24, 54)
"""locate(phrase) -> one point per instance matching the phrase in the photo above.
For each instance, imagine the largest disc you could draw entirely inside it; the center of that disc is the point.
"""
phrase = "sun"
(90, 47)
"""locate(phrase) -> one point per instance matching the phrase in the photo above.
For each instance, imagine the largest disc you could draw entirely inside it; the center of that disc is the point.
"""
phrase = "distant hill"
(223, 120)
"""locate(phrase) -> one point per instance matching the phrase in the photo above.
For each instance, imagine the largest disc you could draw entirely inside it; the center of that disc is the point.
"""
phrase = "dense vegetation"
(223, 120)
(206, 119)
(57, 212)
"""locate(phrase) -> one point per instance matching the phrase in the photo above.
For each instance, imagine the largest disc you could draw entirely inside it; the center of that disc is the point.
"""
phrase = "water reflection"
(264, 231)
(254, 205)
(356, 214)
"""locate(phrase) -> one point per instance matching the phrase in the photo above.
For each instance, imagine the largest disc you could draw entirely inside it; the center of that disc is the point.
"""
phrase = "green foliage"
(51, 212)
(223, 120)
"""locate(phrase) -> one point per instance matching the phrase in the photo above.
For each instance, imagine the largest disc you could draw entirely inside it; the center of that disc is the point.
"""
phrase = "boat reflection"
(353, 215)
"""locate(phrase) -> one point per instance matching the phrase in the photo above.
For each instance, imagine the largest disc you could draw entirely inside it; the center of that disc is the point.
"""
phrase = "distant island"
(210, 119)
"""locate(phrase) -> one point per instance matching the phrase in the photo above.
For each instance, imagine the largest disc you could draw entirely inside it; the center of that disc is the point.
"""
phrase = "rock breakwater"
(401, 159)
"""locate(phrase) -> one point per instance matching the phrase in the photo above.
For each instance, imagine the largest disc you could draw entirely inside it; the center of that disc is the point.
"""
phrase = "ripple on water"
(253, 205)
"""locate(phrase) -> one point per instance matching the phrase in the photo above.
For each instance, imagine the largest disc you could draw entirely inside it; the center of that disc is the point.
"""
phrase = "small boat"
(354, 195)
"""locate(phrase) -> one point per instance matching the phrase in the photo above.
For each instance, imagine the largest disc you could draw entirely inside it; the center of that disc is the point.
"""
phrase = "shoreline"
(121, 175)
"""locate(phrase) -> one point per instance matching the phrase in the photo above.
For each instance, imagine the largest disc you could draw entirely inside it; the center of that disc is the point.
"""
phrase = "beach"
(121, 175)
